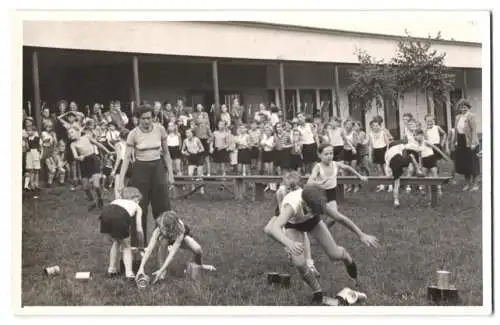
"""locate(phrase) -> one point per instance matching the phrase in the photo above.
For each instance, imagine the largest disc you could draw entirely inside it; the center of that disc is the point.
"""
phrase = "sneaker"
(396, 203)
(348, 189)
(389, 189)
(408, 189)
(466, 188)
(72, 189)
(380, 188)
(352, 270)
(475, 188)
(356, 189)
(350, 296)
(202, 190)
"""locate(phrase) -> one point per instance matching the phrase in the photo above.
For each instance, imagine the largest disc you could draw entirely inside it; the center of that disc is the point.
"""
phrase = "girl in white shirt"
(309, 143)
(267, 146)
(378, 143)
(242, 145)
(192, 148)
(435, 135)
(120, 150)
(174, 147)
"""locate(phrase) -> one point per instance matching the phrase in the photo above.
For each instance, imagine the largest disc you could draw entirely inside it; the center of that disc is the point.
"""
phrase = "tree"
(421, 68)
(372, 80)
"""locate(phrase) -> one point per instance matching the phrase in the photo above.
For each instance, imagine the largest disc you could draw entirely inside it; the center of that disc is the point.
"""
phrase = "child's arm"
(138, 226)
(352, 170)
(444, 137)
(99, 145)
(118, 150)
(175, 248)
(314, 175)
(346, 222)
(439, 151)
(147, 253)
(184, 148)
(415, 164)
(74, 152)
(275, 231)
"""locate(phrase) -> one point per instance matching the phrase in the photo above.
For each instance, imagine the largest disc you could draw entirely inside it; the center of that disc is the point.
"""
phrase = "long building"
(215, 62)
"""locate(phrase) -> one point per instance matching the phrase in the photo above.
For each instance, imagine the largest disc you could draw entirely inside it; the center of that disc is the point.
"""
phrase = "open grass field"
(417, 240)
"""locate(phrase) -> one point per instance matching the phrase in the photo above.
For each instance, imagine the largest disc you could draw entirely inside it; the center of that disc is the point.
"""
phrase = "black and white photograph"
(327, 159)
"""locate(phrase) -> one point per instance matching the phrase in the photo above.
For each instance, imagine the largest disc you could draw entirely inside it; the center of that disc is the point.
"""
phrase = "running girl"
(117, 220)
(299, 215)
(324, 174)
(170, 230)
(84, 152)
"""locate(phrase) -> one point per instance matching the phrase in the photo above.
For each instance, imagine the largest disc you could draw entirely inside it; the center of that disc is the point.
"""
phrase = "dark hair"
(323, 146)
(314, 197)
(463, 102)
(378, 119)
(419, 132)
(374, 120)
(124, 134)
(409, 115)
(143, 109)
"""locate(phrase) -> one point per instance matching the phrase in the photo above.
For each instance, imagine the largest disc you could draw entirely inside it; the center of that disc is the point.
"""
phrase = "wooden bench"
(239, 183)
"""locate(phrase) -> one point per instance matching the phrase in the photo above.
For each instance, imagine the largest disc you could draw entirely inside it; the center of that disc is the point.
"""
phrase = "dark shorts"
(349, 156)
(115, 221)
(220, 156)
(437, 155)
(378, 155)
(175, 152)
(397, 165)
(206, 147)
(89, 166)
(309, 153)
(306, 226)
(254, 153)
(338, 153)
(282, 158)
(295, 162)
(331, 194)
(415, 154)
(429, 162)
(244, 157)
(267, 156)
(195, 159)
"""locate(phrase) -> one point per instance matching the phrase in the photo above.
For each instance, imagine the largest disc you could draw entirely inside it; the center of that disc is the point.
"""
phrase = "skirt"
(195, 159)
(349, 156)
(115, 221)
(206, 147)
(33, 159)
(467, 162)
(282, 158)
(397, 165)
(295, 162)
(220, 156)
(378, 155)
(244, 156)
(175, 152)
(254, 153)
(338, 153)
(267, 156)
(89, 166)
(309, 153)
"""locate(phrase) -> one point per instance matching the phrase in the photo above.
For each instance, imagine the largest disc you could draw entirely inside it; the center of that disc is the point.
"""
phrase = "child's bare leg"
(395, 191)
(207, 163)
(127, 257)
(114, 254)
(192, 245)
(96, 182)
(191, 173)
(86, 189)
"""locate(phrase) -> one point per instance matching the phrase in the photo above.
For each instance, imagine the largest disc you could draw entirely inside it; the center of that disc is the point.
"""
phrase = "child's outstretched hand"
(370, 240)
(139, 274)
(158, 276)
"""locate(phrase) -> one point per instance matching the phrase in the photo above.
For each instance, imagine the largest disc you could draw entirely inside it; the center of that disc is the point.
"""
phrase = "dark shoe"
(352, 270)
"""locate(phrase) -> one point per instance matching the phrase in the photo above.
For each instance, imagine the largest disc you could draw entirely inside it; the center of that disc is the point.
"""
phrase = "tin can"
(443, 279)
(143, 281)
(52, 270)
(273, 278)
(83, 276)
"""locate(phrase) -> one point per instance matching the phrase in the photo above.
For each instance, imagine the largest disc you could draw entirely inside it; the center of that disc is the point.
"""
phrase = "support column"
(299, 105)
(318, 102)
(448, 109)
(337, 90)
(465, 90)
(137, 92)
(333, 102)
(277, 97)
(36, 88)
(215, 76)
(282, 90)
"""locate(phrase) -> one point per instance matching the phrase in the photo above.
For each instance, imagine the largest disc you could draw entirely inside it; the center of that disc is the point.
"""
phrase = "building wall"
(219, 40)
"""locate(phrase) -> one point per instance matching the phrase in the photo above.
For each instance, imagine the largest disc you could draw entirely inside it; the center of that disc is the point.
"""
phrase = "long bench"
(259, 182)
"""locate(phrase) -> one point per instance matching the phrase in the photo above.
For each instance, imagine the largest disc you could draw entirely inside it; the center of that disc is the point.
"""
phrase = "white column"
(317, 99)
(299, 106)
(277, 97)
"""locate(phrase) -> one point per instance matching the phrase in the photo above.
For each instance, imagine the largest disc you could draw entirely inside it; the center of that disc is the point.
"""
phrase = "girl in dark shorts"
(397, 158)
(283, 144)
(378, 142)
(219, 147)
(242, 145)
(192, 148)
(83, 149)
(171, 230)
(300, 214)
(174, 142)
(296, 152)
(254, 135)
(118, 219)
(268, 153)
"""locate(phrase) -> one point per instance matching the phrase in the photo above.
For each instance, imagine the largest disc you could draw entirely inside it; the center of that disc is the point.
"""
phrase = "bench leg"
(259, 191)
(340, 192)
(434, 195)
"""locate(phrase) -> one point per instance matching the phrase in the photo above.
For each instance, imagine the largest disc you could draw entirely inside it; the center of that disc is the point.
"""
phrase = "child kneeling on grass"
(116, 222)
(170, 230)
(300, 215)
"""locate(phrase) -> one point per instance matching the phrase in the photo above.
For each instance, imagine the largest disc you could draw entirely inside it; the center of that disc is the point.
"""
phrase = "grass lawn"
(417, 240)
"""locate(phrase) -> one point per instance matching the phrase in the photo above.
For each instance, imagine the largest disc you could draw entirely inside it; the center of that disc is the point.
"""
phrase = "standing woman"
(467, 145)
(152, 169)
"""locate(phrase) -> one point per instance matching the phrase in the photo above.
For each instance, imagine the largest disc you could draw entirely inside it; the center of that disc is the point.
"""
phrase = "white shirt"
(426, 150)
(330, 181)
(433, 135)
(265, 112)
(294, 200)
(173, 140)
(394, 151)
(461, 124)
(267, 142)
(378, 139)
(274, 119)
(129, 205)
(307, 133)
(335, 136)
